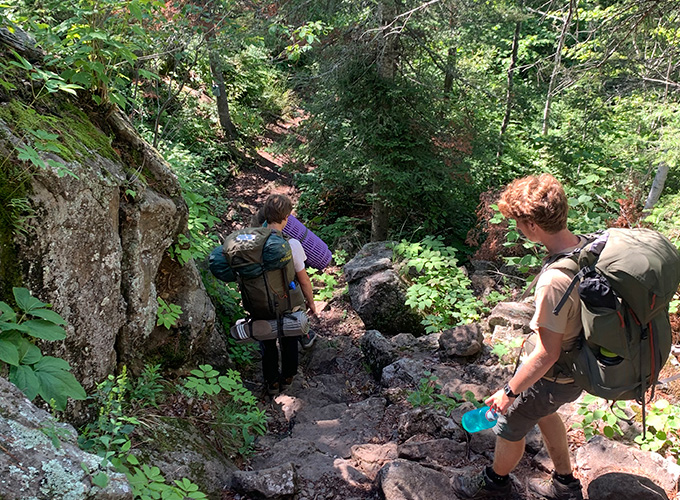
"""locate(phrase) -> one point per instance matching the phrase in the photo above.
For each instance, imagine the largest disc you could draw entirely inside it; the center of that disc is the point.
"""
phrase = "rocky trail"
(345, 430)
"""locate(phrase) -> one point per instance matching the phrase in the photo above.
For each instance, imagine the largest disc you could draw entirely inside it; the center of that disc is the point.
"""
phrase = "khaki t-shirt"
(551, 286)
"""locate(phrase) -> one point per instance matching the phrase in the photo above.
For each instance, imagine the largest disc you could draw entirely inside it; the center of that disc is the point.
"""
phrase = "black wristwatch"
(508, 391)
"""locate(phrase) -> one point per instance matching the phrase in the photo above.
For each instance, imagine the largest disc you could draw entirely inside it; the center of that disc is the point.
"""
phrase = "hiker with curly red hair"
(537, 390)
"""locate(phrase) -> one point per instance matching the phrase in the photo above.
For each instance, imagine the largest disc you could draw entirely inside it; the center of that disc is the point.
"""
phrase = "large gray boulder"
(40, 458)
(377, 292)
(96, 243)
(602, 456)
(404, 480)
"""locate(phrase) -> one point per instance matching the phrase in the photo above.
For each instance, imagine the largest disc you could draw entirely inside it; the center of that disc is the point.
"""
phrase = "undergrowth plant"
(599, 418)
(109, 436)
(36, 375)
(167, 314)
(663, 424)
(328, 283)
(439, 289)
(428, 394)
(238, 420)
(502, 348)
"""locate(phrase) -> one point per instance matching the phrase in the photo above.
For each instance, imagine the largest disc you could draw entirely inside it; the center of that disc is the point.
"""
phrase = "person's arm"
(542, 358)
(306, 286)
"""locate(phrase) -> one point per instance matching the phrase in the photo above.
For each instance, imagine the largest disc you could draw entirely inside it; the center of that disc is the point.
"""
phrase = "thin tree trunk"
(508, 95)
(657, 186)
(558, 64)
(387, 67)
(221, 97)
(448, 77)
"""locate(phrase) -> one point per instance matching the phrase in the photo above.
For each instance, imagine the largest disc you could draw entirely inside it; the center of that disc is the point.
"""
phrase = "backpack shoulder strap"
(565, 261)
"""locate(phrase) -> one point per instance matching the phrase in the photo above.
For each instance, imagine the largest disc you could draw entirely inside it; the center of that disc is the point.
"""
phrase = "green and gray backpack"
(626, 279)
(260, 260)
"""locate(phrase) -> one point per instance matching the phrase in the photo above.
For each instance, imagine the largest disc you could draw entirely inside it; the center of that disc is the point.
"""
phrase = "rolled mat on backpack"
(248, 330)
(318, 254)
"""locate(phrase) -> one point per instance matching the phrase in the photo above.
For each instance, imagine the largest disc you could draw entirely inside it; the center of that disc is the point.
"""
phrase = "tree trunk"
(380, 215)
(657, 186)
(448, 77)
(221, 97)
(387, 67)
(508, 94)
(558, 63)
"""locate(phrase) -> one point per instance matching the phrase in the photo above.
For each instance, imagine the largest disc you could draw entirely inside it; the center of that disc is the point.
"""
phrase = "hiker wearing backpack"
(535, 392)
(276, 210)
(299, 260)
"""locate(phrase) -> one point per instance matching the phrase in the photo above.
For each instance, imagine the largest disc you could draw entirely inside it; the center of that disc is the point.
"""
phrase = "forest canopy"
(409, 111)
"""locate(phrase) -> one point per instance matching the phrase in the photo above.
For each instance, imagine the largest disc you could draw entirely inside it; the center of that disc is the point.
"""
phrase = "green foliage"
(328, 283)
(663, 434)
(598, 418)
(92, 48)
(168, 314)
(110, 436)
(428, 394)
(239, 419)
(439, 288)
(29, 370)
(48, 82)
(501, 349)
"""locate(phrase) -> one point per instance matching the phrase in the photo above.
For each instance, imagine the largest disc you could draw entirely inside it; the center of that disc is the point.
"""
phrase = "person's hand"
(499, 402)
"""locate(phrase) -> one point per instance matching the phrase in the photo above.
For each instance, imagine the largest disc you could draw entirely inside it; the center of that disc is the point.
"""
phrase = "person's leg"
(289, 357)
(555, 438)
(270, 361)
(507, 455)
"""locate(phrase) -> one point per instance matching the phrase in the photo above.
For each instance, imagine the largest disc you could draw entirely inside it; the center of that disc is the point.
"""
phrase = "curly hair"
(277, 207)
(540, 199)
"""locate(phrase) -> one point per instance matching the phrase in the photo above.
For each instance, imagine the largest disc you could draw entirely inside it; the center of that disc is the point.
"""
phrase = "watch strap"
(508, 391)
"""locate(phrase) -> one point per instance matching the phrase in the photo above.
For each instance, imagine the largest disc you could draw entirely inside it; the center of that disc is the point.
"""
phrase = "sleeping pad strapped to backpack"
(627, 278)
(260, 260)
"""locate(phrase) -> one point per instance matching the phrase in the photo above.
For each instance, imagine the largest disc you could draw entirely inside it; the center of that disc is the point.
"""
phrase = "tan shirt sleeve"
(551, 287)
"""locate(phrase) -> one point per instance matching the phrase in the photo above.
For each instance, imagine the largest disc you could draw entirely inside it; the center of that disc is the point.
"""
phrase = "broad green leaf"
(21, 62)
(48, 315)
(25, 300)
(59, 385)
(9, 353)
(24, 378)
(101, 479)
(29, 353)
(6, 312)
(49, 363)
(44, 329)
(148, 74)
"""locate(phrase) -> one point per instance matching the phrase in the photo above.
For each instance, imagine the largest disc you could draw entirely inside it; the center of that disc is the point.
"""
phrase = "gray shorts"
(538, 401)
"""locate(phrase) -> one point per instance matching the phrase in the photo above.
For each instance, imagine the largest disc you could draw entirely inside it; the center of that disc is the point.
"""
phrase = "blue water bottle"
(479, 419)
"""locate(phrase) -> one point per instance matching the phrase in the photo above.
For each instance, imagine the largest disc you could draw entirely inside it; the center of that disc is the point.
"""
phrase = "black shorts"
(540, 400)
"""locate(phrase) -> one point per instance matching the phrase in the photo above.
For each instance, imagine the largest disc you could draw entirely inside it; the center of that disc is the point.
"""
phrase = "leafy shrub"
(168, 314)
(428, 394)
(30, 371)
(598, 418)
(439, 289)
(663, 433)
(110, 436)
(328, 283)
(239, 420)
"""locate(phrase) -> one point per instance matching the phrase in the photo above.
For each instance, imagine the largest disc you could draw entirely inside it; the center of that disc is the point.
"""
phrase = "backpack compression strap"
(552, 260)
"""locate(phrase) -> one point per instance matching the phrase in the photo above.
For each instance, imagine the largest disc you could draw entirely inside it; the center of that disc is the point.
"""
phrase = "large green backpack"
(263, 263)
(626, 277)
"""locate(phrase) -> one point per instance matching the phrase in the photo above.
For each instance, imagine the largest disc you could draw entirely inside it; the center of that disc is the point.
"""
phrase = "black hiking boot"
(480, 486)
(554, 489)
(273, 388)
